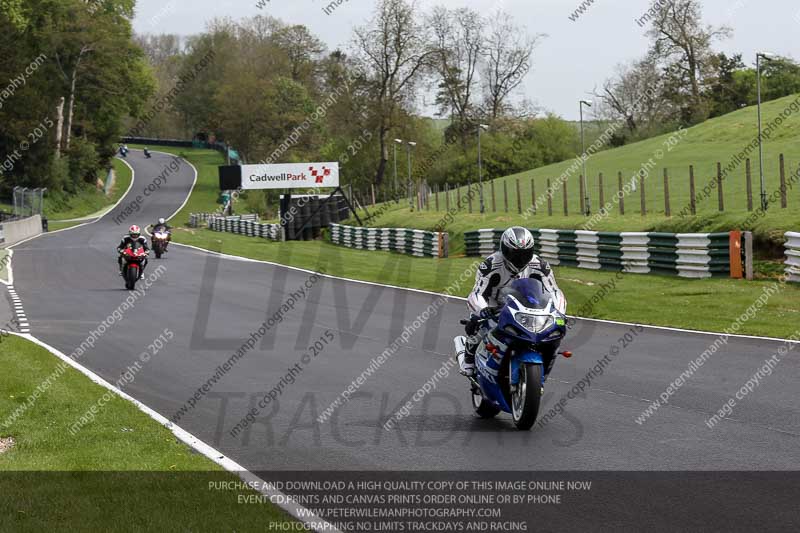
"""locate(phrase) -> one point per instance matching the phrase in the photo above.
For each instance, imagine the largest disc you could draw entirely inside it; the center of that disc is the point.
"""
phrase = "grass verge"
(89, 202)
(645, 299)
(122, 472)
(56, 225)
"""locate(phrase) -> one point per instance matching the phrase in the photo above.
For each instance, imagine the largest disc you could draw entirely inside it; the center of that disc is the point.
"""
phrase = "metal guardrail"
(793, 256)
(4, 217)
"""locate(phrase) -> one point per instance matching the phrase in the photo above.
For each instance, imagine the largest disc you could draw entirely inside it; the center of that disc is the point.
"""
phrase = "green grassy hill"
(717, 140)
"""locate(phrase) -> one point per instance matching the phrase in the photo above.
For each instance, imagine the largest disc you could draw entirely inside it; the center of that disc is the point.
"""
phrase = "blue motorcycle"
(516, 353)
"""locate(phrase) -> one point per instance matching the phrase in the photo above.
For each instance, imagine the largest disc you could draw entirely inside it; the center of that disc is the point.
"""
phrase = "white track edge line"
(191, 190)
(121, 198)
(190, 440)
(422, 291)
(10, 273)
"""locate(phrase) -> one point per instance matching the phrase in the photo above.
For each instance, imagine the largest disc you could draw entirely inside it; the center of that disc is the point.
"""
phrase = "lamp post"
(480, 166)
(396, 142)
(587, 200)
(409, 146)
(767, 56)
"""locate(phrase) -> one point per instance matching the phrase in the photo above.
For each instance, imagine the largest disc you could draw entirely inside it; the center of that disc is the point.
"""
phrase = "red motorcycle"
(160, 240)
(132, 258)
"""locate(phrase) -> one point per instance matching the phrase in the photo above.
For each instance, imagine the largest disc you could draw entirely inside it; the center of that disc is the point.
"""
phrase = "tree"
(634, 95)
(302, 49)
(725, 91)
(82, 74)
(682, 44)
(393, 51)
(13, 13)
(507, 60)
(781, 78)
(459, 44)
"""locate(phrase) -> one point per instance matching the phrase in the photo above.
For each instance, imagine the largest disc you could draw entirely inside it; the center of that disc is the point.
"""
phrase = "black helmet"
(516, 245)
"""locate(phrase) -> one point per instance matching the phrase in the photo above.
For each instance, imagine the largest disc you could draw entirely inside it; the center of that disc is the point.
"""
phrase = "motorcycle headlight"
(534, 323)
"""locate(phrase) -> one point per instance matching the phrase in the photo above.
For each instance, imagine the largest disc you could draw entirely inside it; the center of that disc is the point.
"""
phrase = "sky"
(575, 57)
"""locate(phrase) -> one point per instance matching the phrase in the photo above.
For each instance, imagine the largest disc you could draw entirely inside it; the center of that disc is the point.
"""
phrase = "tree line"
(269, 78)
(682, 80)
(74, 74)
(80, 79)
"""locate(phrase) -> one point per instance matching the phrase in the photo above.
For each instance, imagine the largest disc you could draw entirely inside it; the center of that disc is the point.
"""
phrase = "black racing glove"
(472, 326)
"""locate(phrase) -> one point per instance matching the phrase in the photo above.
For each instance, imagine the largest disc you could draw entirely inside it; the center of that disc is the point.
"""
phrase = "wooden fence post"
(519, 199)
(749, 184)
(494, 204)
(505, 195)
(469, 196)
(436, 197)
(784, 202)
(602, 192)
(720, 196)
(566, 199)
(447, 197)
(458, 196)
(692, 196)
(583, 196)
(549, 199)
(533, 195)
(643, 200)
(621, 195)
(667, 210)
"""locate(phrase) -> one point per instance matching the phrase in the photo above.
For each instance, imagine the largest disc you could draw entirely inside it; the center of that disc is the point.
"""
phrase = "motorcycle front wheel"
(526, 397)
(131, 277)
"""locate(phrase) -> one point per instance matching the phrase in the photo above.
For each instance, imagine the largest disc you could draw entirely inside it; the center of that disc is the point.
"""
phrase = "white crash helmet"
(161, 220)
(516, 245)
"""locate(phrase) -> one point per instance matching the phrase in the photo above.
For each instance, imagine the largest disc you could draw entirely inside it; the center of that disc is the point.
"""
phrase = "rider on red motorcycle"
(134, 235)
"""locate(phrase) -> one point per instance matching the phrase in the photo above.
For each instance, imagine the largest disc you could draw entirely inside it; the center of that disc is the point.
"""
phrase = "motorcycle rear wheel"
(483, 408)
(527, 396)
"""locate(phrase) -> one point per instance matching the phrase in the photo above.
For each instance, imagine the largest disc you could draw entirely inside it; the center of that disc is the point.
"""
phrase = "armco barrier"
(406, 241)
(688, 255)
(793, 256)
(247, 225)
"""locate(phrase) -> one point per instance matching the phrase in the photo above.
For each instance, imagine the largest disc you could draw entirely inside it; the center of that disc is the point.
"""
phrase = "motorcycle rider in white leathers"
(514, 260)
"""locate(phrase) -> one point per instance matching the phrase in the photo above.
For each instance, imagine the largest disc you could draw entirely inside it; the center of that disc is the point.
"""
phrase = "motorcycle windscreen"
(529, 292)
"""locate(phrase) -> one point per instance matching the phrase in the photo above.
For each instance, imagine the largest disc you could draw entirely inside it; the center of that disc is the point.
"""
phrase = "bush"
(84, 163)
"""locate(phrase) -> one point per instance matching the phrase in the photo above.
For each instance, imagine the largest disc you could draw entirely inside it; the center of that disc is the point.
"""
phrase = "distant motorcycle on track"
(160, 242)
(516, 353)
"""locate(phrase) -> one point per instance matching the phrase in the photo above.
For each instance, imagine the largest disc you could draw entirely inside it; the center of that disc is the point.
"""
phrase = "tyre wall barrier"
(247, 225)
(793, 256)
(688, 255)
(405, 241)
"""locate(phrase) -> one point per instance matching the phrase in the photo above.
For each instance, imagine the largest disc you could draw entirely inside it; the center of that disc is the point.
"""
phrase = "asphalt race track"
(68, 283)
